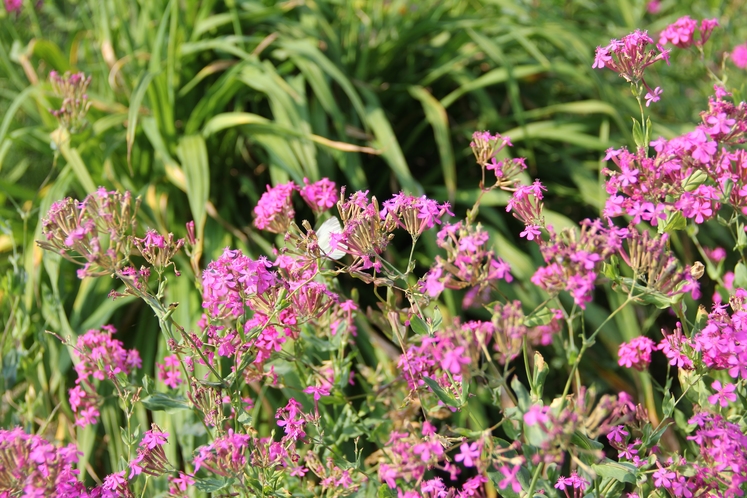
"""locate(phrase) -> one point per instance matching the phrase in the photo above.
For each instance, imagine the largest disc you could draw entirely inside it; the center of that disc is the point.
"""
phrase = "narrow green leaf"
(72, 156)
(192, 153)
(391, 152)
(165, 402)
(418, 325)
(134, 111)
(438, 119)
(444, 396)
(619, 471)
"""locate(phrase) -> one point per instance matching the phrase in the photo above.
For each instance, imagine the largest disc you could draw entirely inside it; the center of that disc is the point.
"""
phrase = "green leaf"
(133, 112)
(740, 275)
(539, 374)
(542, 316)
(386, 492)
(436, 116)
(619, 471)
(444, 396)
(418, 325)
(675, 221)
(638, 133)
(165, 402)
(386, 141)
(72, 156)
(522, 395)
(192, 153)
(213, 484)
(667, 405)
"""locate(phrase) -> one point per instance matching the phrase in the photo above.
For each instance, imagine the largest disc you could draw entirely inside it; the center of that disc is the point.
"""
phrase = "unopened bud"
(697, 270)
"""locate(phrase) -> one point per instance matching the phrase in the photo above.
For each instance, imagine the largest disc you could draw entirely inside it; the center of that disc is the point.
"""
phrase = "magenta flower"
(739, 56)
(723, 396)
(274, 210)
(453, 360)
(469, 454)
(510, 478)
(321, 195)
(317, 391)
(653, 96)
(536, 415)
(663, 478)
(169, 372)
(636, 353)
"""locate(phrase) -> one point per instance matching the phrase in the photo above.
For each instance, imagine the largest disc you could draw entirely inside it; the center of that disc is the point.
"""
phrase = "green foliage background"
(198, 101)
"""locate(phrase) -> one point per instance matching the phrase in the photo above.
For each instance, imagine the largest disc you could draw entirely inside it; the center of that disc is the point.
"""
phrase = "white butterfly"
(323, 234)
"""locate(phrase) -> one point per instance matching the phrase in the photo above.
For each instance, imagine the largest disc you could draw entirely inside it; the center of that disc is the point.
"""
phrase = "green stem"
(535, 477)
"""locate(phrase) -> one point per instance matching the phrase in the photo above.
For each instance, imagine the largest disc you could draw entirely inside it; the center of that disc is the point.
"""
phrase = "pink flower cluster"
(32, 467)
(151, 458)
(71, 88)
(636, 353)
(408, 457)
(682, 33)
(574, 483)
(94, 233)
(468, 261)
(274, 211)
(691, 174)
(630, 56)
(722, 343)
(414, 214)
(99, 357)
(573, 259)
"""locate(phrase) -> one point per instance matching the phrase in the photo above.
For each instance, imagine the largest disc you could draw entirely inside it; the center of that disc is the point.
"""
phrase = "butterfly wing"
(323, 234)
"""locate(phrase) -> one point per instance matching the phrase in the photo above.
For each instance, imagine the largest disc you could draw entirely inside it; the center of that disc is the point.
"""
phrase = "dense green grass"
(197, 101)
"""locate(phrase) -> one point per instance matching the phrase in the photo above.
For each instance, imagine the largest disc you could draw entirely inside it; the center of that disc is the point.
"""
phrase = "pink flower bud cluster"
(366, 234)
(99, 357)
(13, 6)
(526, 206)
(691, 174)
(630, 56)
(95, 233)
(151, 458)
(468, 261)
(71, 88)
(33, 467)
(158, 250)
(486, 148)
(722, 343)
(636, 353)
(682, 32)
(407, 457)
(574, 258)
(721, 462)
(574, 486)
(415, 214)
(274, 211)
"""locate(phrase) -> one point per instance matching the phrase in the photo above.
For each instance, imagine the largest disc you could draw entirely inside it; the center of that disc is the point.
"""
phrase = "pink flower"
(723, 395)
(531, 232)
(320, 195)
(536, 415)
(636, 353)
(739, 56)
(169, 373)
(317, 391)
(653, 97)
(469, 454)
(509, 478)
(453, 360)
(13, 5)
